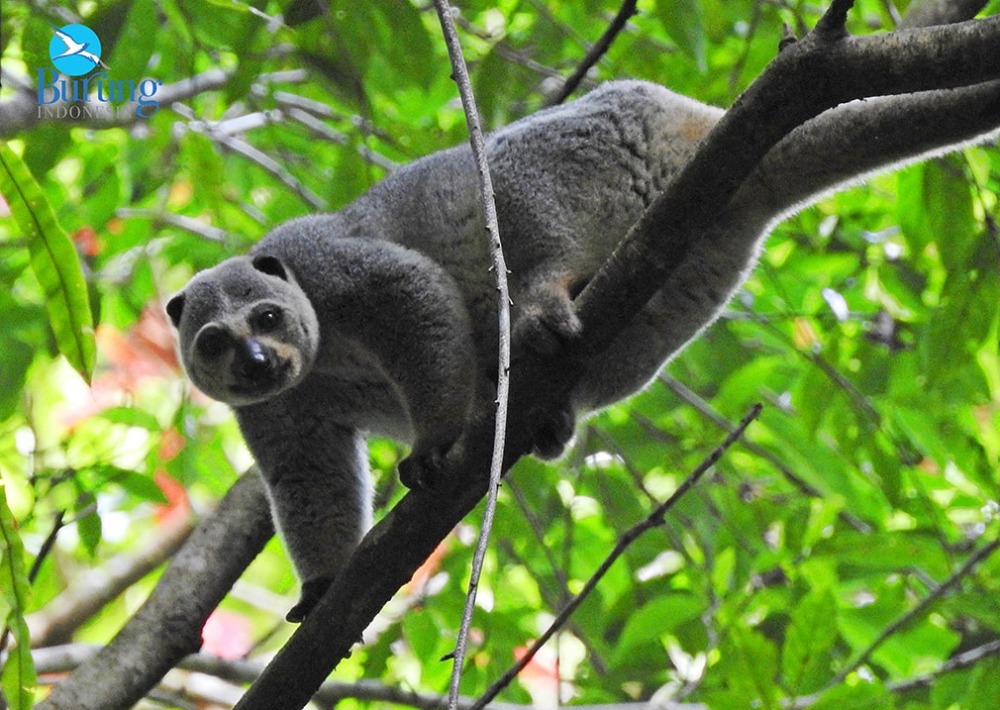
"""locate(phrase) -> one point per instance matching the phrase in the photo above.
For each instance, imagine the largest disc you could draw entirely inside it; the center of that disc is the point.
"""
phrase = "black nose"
(254, 361)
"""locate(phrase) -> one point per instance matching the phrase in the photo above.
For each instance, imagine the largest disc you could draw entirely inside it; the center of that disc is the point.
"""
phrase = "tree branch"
(218, 133)
(958, 662)
(60, 659)
(168, 626)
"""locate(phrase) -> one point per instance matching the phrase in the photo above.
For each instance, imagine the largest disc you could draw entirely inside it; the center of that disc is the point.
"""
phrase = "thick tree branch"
(168, 626)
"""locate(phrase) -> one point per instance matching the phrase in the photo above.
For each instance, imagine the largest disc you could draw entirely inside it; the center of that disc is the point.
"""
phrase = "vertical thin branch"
(461, 76)
(654, 519)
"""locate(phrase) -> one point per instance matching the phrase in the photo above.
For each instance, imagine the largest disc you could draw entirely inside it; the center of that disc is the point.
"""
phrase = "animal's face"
(247, 331)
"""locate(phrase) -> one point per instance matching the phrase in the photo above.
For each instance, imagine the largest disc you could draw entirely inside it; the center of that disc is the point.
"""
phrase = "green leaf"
(135, 483)
(654, 620)
(54, 261)
(811, 635)
(981, 689)
(88, 525)
(753, 668)
(684, 22)
(18, 675)
(140, 486)
(132, 50)
(896, 550)
(130, 416)
(423, 634)
(14, 364)
(936, 206)
(400, 45)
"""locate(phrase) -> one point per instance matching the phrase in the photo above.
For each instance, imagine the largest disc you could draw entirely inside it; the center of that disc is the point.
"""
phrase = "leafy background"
(828, 558)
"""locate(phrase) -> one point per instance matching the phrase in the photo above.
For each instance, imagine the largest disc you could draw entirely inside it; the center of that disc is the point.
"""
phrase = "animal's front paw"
(422, 471)
(312, 591)
(553, 432)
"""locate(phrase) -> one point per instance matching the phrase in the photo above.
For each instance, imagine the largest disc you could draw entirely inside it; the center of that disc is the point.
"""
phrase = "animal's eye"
(212, 343)
(267, 320)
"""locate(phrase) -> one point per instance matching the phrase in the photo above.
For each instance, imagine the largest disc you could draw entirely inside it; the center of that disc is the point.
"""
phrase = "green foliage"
(684, 22)
(17, 675)
(53, 259)
(868, 481)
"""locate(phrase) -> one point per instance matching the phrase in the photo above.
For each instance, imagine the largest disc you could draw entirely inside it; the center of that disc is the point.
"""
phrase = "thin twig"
(46, 548)
(654, 519)
(962, 660)
(956, 663)
(320, 129)
(596, 52)
(917, 611)
(461, 76)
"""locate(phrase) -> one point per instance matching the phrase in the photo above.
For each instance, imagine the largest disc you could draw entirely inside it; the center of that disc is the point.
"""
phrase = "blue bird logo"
(75, 50)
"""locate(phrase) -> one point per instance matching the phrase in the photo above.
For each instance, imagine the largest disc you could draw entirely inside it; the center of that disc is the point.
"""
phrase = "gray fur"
(399, 286)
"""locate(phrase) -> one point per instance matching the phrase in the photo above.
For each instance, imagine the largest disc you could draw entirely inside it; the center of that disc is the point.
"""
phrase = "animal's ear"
(270, 265)
(175, 308)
